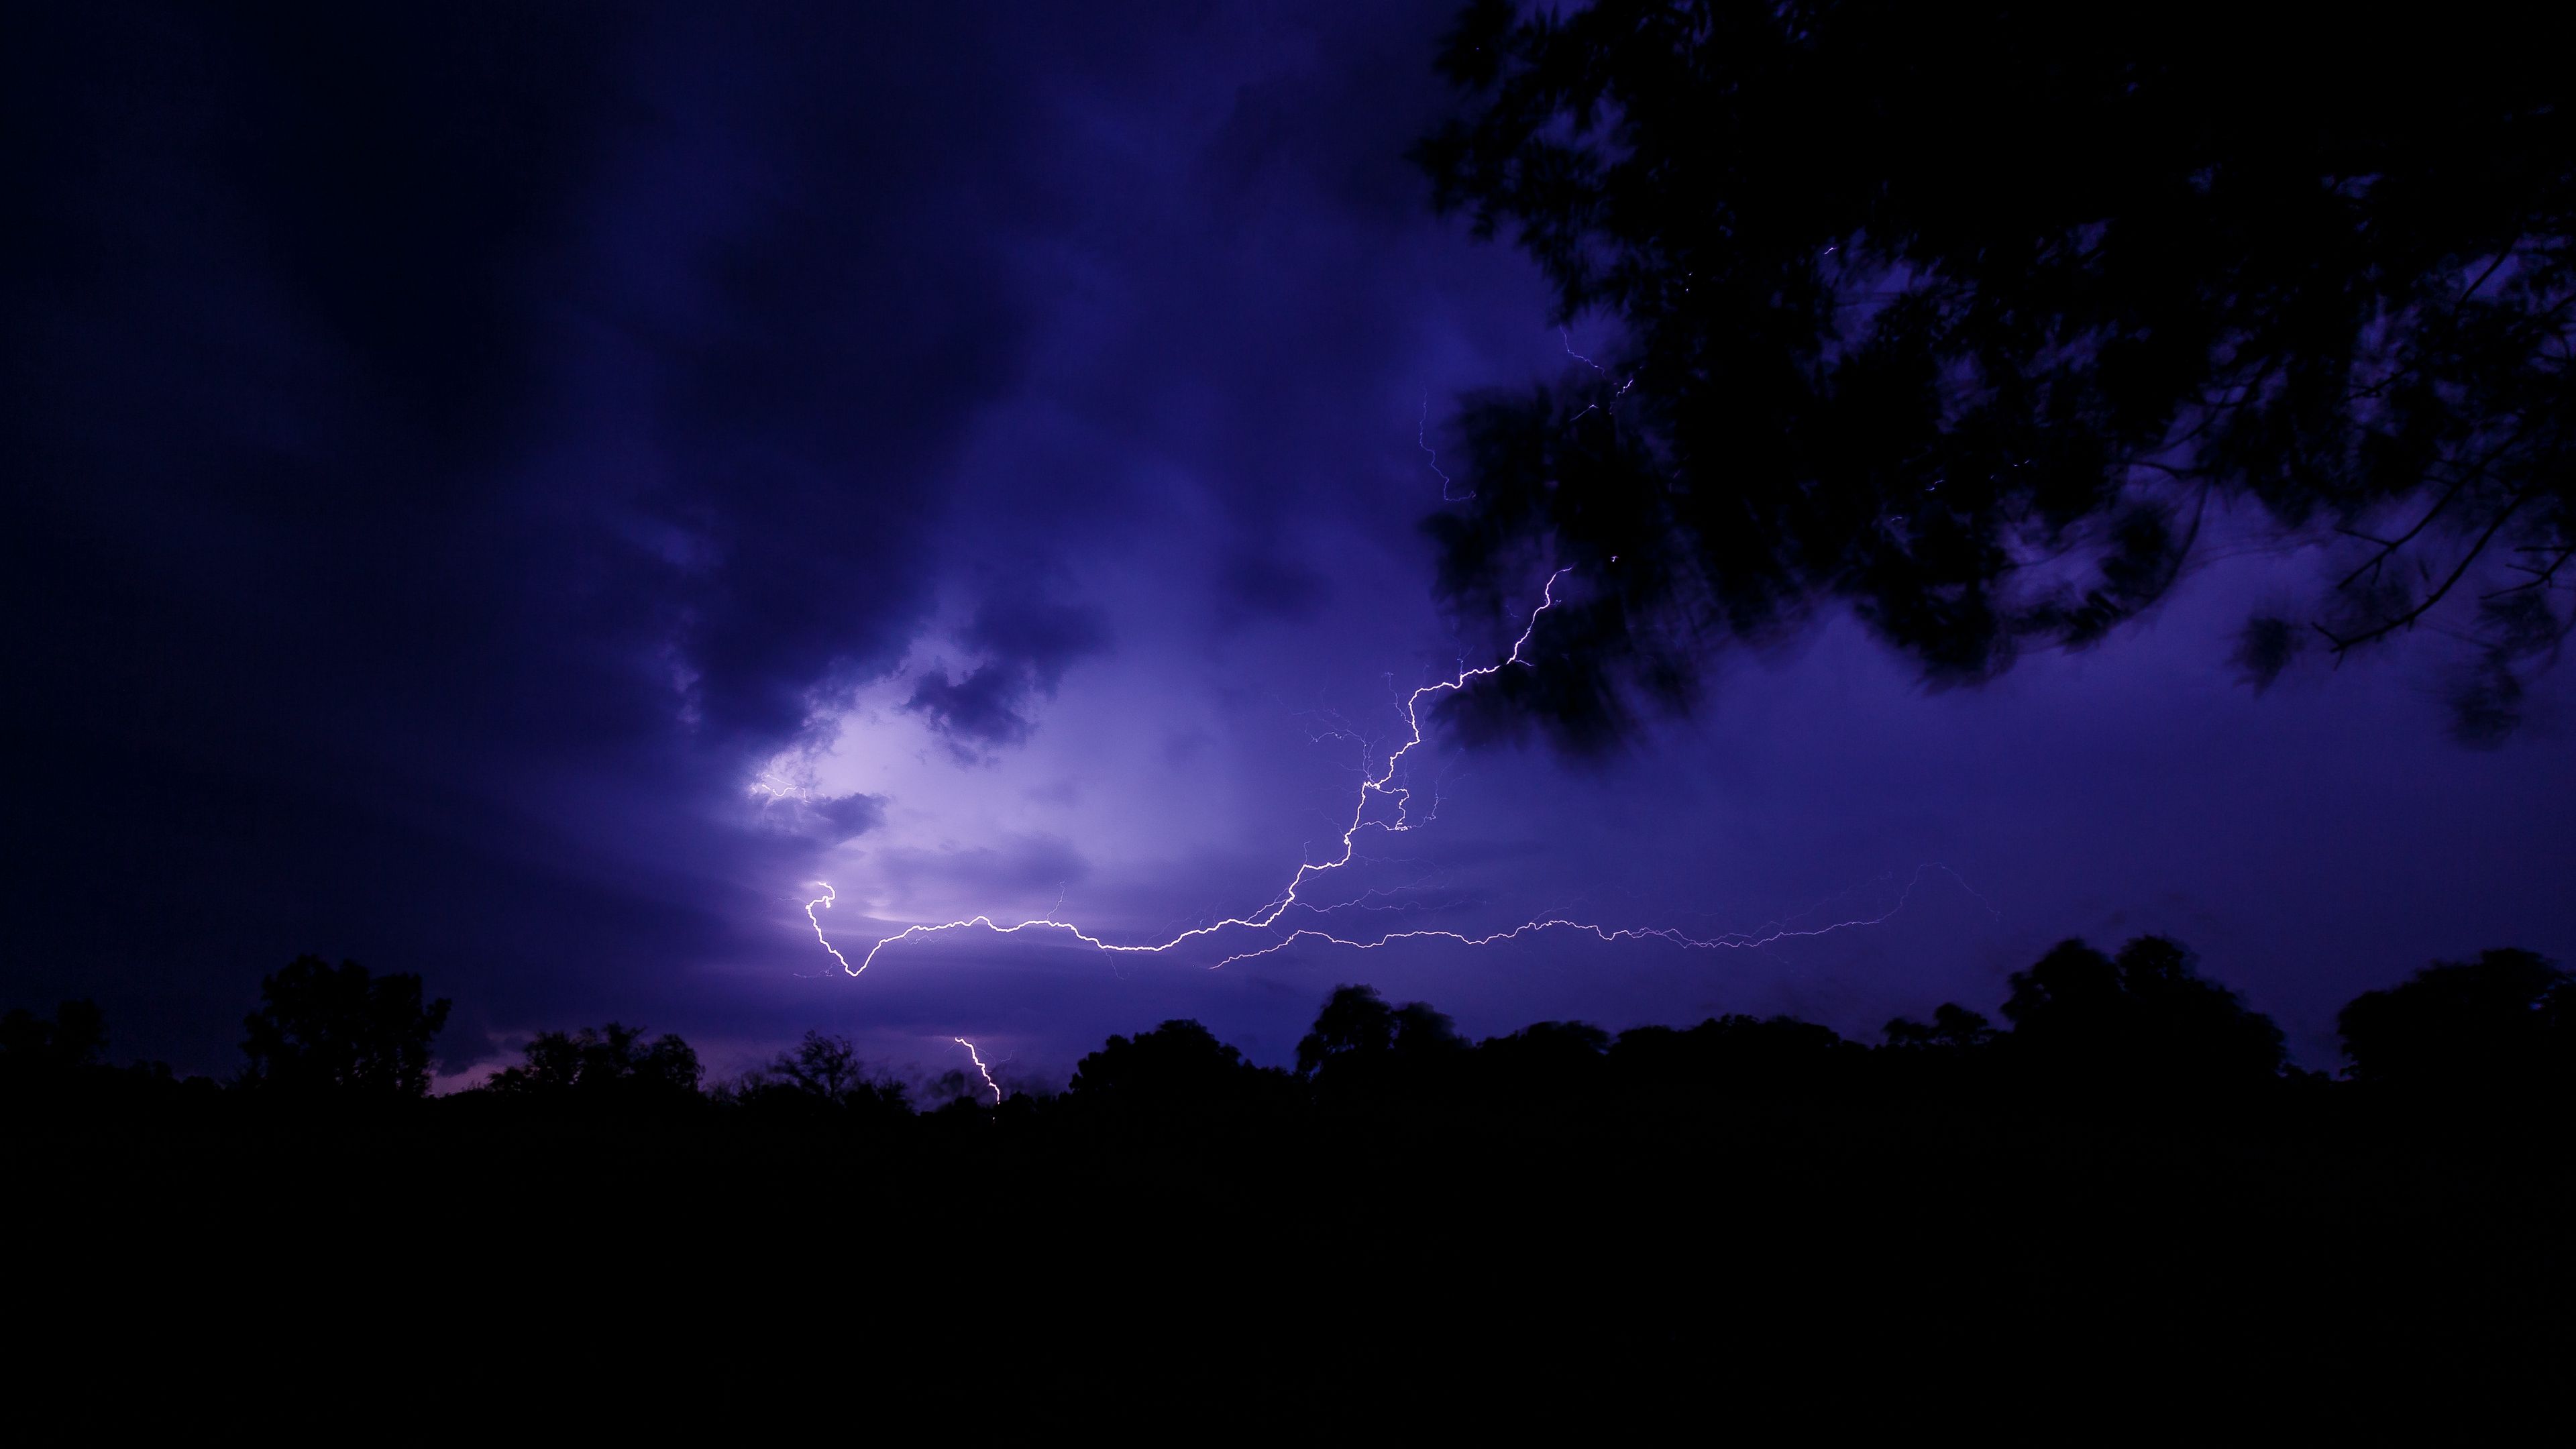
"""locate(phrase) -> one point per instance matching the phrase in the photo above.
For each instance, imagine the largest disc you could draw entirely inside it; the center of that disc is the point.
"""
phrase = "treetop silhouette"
(612, 1063)
(2145, 1016)
(341, 1030)
(2081, 1026)
(73, 1041)
(1974, 318)
(819, 1071)
(1179, 1069)
(2506, 1019)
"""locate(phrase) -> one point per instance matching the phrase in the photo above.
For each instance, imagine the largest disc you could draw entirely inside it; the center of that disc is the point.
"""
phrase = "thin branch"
(2389, 546)
(2540, 578)
(2180, 474)
(2435, 597)
(2502, 257)
(2467, 476)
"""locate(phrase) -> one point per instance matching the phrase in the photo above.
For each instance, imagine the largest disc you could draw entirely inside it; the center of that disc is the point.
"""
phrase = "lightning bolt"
(1422, 440)
(1567, 338)
(1727, 941)
(1375, 784)
(825, 901)
(977, 1058)
(1371, 786)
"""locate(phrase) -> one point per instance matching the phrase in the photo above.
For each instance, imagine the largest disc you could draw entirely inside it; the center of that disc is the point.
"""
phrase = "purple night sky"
(459, 476)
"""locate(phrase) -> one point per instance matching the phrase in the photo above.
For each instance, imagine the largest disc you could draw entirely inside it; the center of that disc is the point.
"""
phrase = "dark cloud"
(824, 819)
(848, 815)
(1039, 637)
(455, 444)
(1027, 647)
(456, 450)
(983, 708)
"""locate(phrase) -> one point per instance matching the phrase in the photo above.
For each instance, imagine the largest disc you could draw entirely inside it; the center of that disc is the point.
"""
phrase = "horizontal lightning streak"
(1728, 941)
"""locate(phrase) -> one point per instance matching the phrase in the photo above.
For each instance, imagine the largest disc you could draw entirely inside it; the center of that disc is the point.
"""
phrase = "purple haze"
(464, 458)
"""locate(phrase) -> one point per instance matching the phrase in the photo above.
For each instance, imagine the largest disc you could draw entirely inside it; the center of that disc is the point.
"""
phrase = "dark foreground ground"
(2314, 1256)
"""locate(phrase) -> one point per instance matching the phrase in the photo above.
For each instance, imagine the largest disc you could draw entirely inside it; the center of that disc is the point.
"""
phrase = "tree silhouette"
(1565, 1210)
(1361, 1049)
(612, 1063)
(74, 1041)
(1177, 1069)
(826, 1066)
(1739, 1055)
(1972, 316)
(820, 1070)
(1953, 1028)
(2507, 1019)
(338, 1029)
(1355, 1022)
(1544, 1064)
(2144, 1018)
(1957, 1048)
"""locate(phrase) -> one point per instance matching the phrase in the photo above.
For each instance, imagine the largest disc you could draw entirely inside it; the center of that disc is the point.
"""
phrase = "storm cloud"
(525, 493)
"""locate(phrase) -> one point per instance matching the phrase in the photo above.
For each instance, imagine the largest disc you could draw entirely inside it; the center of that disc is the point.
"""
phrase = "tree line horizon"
(2143, 1019)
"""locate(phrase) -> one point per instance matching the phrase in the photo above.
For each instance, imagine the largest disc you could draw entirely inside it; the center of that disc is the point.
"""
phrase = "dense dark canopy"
(2122, 1189)
(1980, 318)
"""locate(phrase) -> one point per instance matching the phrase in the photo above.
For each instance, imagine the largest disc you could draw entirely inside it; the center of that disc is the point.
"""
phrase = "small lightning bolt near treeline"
(977, 1058)
(1373, 785)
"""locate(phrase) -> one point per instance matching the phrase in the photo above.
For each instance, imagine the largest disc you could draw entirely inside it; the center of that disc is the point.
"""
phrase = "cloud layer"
(519, 493)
